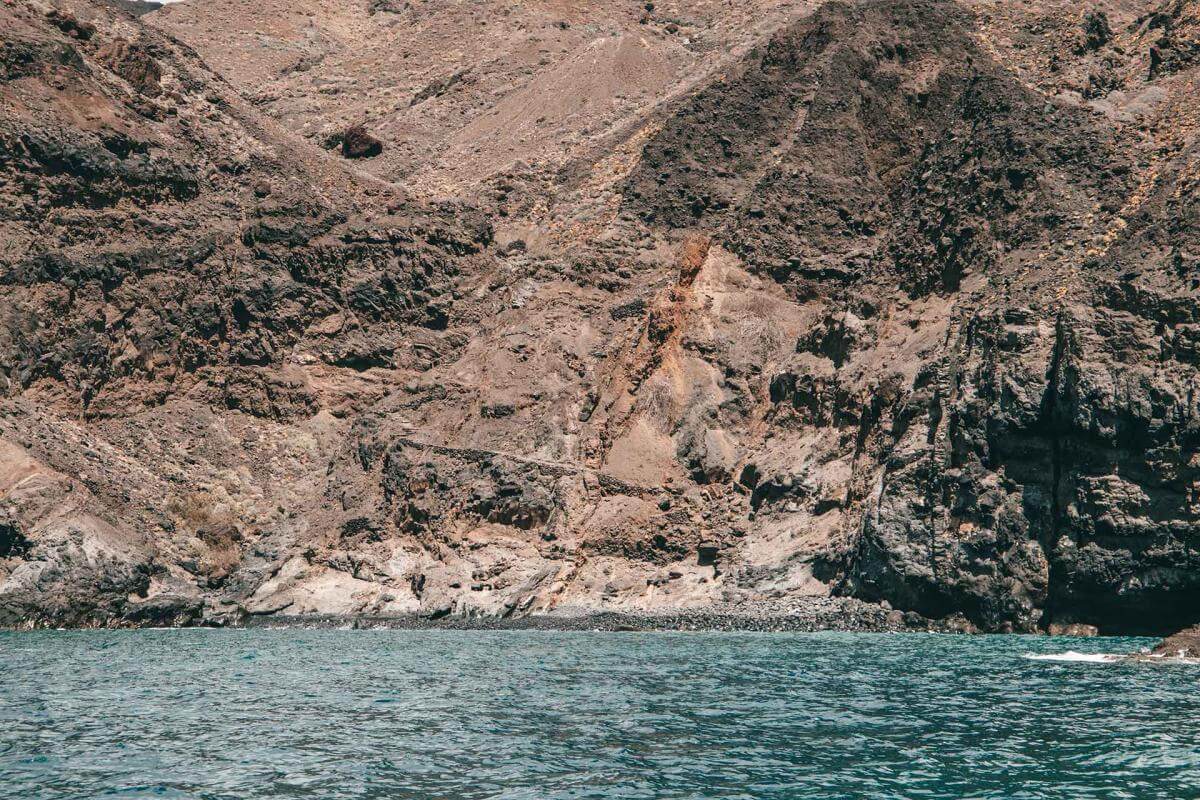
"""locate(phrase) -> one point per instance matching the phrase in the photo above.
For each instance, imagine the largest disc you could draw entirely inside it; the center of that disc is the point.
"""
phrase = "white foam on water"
(1113, 658)
(1071, 655)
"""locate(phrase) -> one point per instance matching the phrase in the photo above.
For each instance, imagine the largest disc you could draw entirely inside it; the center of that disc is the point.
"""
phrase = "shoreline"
(801, 615)
(807, 615)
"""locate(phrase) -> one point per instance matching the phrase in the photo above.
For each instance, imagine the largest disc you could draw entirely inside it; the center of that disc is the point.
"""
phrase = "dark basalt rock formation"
(1036, 468)
(894, 303)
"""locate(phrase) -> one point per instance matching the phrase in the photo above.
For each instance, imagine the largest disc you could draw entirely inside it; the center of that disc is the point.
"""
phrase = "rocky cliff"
(642, 309)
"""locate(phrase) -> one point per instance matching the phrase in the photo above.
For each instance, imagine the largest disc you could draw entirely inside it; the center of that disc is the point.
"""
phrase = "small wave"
(1072, 656)
(1112, 658)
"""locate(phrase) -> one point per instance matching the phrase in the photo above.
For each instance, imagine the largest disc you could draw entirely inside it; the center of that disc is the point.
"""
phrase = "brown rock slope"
(169, 260)
(890, 299)
(464, 91)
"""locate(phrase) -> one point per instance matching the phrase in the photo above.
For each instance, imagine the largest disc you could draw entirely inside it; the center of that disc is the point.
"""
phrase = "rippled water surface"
(448, 714)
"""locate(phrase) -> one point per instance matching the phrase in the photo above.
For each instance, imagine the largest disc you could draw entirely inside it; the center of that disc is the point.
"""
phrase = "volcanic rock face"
(887, 299)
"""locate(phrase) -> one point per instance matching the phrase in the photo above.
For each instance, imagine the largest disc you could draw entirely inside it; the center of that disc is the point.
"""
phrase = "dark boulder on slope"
(357, 143)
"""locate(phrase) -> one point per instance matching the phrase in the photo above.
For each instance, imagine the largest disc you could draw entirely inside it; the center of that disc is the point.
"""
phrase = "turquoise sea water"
(538, 715)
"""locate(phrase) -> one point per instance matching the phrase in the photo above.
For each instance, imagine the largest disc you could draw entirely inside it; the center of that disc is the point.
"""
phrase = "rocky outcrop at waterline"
(1184, 644)
(884, 301)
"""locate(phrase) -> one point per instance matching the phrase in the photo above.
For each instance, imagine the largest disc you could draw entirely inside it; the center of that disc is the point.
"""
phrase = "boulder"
(357, 143)
(1184, 644)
